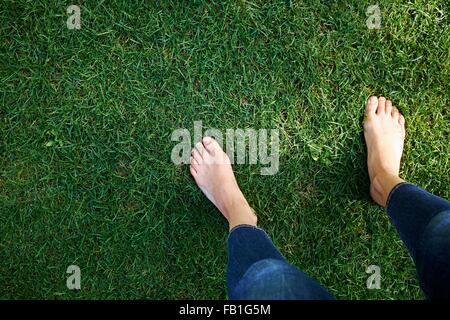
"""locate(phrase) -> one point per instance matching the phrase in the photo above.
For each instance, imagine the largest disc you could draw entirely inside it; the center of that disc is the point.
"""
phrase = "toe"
(194, 163)
(395, 113)
(388, 108)
(211, 145)
(200, 148)
(207, 140)
(197, 156)
(193, 171)
(371, 105)
(381, 105)
(401, 120)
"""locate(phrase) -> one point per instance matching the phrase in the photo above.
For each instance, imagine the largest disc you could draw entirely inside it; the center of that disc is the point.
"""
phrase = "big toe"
(371, 105)
(207, 140)
(211, 145)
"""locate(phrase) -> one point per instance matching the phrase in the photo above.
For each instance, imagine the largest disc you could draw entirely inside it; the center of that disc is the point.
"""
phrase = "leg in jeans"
(423, 222)
(422, 219)
(256, 269)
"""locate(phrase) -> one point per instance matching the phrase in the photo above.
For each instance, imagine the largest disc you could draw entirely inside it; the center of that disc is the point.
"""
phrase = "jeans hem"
(245, 226)
(398, 185)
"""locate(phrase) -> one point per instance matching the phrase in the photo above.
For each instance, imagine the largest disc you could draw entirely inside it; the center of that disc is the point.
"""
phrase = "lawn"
(86, 118)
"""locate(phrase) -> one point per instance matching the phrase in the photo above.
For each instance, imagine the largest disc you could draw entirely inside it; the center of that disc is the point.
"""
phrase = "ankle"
(381, 185)
(247, 219)
(240, 212)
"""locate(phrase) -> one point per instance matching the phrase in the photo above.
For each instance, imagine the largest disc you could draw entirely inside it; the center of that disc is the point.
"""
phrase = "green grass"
(86, 117)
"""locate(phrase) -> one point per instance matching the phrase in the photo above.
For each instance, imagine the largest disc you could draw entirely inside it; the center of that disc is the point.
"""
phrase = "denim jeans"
(423, 223)
(257, 270)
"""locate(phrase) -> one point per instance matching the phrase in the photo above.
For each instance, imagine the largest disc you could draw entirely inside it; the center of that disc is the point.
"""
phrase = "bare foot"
(211, 169)
(384, 131)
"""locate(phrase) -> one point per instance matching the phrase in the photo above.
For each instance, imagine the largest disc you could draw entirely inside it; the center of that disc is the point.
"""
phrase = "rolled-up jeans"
(257, 270)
